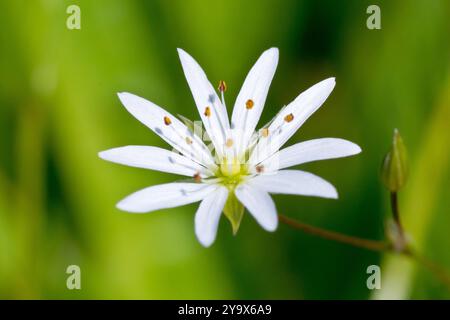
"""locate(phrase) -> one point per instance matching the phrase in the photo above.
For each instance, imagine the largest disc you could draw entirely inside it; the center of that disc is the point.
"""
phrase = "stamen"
(249, 104)
(289, 118)
(229, 143)
(222, 89)
(185, 192)
(188, 140)
(167, 121)
(222, 86)
(274, 132)
(265, 132)
(195, 151)
(197, 177)
(222, 129)
(172, 161)
(259, 169)
(207, 112)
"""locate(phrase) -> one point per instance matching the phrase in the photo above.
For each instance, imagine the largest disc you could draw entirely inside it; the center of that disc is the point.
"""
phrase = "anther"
(188, 140)
(259, 168)
(229, 143)
(289, 117)
(167, 121)
(207, 112)
(249, 104)
(197, 177)
(265, 132)
(222, 86)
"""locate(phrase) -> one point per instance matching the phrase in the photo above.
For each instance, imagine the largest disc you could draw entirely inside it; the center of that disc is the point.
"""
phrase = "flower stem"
(395, 211)
(438, 271)
(373, 245)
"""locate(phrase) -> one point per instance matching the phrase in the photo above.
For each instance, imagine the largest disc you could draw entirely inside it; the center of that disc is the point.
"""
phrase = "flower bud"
(394, 170)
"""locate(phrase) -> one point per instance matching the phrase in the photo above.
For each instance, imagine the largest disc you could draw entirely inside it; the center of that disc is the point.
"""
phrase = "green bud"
(234, 211)
(394, 171)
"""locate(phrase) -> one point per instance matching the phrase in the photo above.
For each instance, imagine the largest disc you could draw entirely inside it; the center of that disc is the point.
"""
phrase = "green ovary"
(232, 173)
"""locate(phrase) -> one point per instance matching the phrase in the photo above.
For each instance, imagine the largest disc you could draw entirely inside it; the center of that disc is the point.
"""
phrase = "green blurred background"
(58, 108)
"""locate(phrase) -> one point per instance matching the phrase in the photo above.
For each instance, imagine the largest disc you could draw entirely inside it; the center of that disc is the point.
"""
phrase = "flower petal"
(163, 196)
(308, 151)
(154, 158)
(250, 101)
(208, 216)
(168, 127)
(260, 205)
(295, 182)
(289, 120)
(212, 112)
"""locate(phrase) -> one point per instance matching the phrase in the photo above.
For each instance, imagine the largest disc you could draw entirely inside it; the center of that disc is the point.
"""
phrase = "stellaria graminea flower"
(246, 166)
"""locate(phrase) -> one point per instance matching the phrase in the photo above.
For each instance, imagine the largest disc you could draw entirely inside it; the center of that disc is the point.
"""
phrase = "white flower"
(244, 168)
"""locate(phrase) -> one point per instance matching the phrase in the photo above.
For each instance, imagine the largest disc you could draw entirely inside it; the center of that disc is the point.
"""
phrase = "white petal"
(255, 88)
(217, 124)
(163, 196)
(208, 216)
(295, 182)
(300, 109)
(154, 158)
(308, 151)
(260, 205)
(175, 133)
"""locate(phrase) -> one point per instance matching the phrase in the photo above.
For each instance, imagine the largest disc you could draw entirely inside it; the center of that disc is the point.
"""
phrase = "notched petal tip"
(351, 147)
(273, 51)
(123, 206)
(332, 193)
(125, 97)
(109, 154)
(122, 95)
(273, 227)
(129, 206)
(330, 82)
(335, 195)
(356, 149)
(325, 86)
(206, 243)
(205, 239)
(271, 54)
(103, 154)
(180, 51)
(120, 206)
(183, 55)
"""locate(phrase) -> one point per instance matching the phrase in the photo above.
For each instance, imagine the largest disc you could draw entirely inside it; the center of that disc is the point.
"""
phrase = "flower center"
(232, 172)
